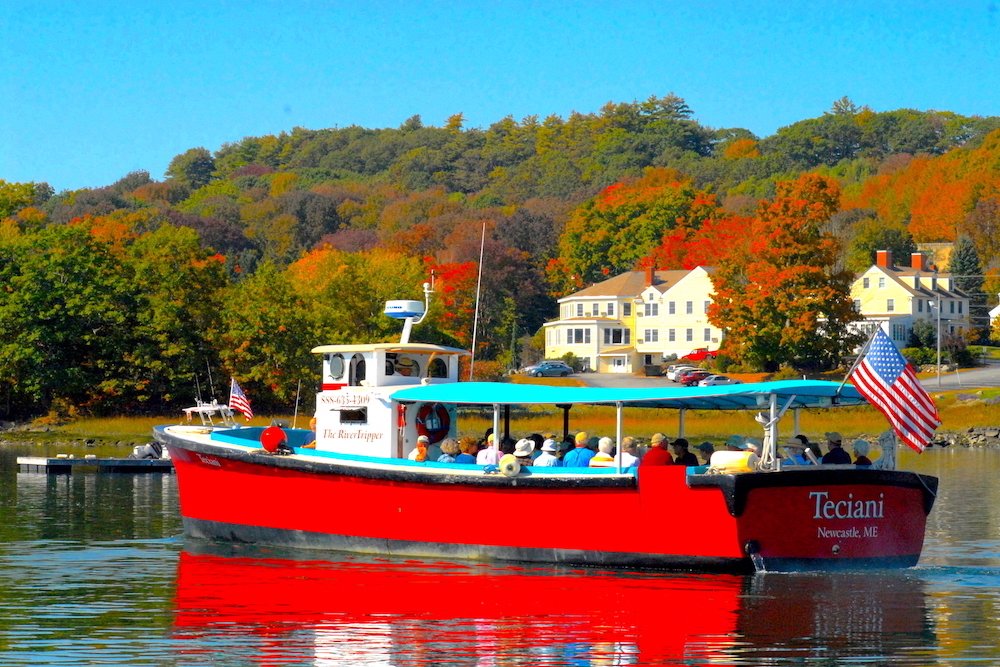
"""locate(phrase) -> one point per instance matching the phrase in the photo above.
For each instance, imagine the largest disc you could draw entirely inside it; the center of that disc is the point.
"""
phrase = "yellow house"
(894, 298)
(635, 319)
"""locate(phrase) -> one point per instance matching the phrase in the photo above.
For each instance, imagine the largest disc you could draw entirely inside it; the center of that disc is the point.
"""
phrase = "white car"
(713, 380)
(674, 372)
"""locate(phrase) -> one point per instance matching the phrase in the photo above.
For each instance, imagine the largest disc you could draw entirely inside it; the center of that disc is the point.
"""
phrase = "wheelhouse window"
(335, 366)
(354, 415)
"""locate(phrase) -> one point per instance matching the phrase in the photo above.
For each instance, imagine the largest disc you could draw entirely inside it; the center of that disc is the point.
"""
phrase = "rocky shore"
(974, 437)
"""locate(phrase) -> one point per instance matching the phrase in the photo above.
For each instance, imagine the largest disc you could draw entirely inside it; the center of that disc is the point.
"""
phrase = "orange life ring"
(433, 421)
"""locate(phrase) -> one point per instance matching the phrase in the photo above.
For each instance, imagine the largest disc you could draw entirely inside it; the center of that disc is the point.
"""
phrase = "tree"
(871, 235)
(14, 197)
(967, 272)
(781, 301)
(194, 168)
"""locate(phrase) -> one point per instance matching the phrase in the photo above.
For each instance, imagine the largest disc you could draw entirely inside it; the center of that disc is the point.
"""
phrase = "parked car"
(694, 377)
(713, 380)
(673, 372)
(549, 369)
(699, 354)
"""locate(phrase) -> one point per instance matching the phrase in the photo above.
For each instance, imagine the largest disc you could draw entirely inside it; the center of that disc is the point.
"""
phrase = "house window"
(857, 305)
(579, 310)
(707, 304)
(594, 309)
(951, 305)
(866, 282)
(689, 335)
(651, 335)
(881, 281)
(708, 335)
(652, 309)
(689, 308)
(920, 305)
(626, 309)
(670, 308)
(578, 336)
(611, 308)
(890, 305)
(670, 335)
(898, 332)
(616, 336)
(959, 307)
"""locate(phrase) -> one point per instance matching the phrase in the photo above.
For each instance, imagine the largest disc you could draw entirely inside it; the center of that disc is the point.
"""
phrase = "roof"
(629, 284)
(752, 396)
(402, 348)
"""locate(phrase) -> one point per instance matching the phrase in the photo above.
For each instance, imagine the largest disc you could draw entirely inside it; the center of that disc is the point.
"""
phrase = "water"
(94, 571)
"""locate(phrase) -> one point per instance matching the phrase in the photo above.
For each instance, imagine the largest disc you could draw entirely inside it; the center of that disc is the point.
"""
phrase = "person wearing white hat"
(523, 450)
(548, 458)
(419, 452)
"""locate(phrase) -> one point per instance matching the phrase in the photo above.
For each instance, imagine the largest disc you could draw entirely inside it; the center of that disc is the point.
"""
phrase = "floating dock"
(66, 465)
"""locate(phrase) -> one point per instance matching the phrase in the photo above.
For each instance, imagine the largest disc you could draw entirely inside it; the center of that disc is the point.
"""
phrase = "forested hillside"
(240, 260)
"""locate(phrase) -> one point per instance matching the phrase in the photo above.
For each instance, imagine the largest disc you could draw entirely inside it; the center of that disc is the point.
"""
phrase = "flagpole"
(295, 416)
(475, 319)
(857, 361)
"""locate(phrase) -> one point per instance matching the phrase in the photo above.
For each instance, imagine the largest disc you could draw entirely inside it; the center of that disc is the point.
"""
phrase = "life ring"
(433, 421)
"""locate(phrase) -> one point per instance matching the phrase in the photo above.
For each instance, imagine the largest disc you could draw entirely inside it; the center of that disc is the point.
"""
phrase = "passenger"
(523, 450)
(629, 454)
(468, 447)
(507, 445)
(579, 456)
(419, 453)
(682, 456)
(736, 443)
(603, 457)
(796, 451)
(861, 449)
(490, 455)
(434, 451)
(706, 449)
(657, 454)
(539, 441)
(449, 451)
(836, 454)
(547, 458)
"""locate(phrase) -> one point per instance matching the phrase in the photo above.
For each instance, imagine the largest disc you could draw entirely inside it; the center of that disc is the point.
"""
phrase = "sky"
(93, 90)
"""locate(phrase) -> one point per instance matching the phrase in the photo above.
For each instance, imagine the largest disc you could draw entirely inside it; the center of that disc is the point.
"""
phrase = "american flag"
(239, 401)
(889, 382)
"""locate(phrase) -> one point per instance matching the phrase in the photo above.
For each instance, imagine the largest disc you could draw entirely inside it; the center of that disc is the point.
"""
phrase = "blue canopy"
(753, 396)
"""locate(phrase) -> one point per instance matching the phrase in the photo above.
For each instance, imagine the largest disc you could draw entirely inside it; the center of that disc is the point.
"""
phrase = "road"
(970, 379)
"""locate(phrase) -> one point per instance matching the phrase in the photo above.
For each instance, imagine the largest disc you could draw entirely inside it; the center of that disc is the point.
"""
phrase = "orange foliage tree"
(780, 298)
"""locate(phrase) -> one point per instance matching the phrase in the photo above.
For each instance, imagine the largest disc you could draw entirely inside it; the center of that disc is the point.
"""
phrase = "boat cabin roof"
(399, 348)
(751, 396)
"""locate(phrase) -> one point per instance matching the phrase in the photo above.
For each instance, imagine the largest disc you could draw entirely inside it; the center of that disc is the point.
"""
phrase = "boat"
(351, 485)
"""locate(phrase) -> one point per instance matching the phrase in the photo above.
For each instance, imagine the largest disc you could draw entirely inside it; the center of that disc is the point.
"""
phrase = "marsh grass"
(958, 413)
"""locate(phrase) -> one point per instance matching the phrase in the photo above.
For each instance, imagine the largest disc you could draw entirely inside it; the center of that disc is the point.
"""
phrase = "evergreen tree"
(968, 272)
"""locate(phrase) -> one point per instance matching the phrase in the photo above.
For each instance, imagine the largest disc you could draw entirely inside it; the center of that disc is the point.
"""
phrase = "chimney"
(884, 258)
(918, 262)
(650, 275)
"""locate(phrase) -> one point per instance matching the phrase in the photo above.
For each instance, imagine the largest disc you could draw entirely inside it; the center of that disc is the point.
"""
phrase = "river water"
(94, 571)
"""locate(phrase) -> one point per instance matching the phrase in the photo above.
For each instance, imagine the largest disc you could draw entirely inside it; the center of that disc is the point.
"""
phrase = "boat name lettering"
(368, 436)
(847, 509)
(346, 399)
(209, 460)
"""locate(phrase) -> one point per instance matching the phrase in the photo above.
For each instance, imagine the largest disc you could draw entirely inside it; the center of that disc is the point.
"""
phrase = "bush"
(573, 362)
(786, 372)
(920, 356)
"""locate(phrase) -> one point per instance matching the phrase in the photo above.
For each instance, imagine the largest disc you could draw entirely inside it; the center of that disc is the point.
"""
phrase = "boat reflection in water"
(364, 610)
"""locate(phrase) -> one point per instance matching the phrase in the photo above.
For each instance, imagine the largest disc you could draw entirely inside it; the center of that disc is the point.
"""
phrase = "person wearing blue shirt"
(580, 455)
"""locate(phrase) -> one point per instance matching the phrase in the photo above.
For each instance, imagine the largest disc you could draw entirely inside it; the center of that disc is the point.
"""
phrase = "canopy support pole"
(565, 408)
(680, 422)
(618, 435)
(496, 425)
(795, 421)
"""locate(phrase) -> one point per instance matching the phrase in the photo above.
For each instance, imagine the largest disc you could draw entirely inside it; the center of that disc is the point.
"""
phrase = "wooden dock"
(66, 465)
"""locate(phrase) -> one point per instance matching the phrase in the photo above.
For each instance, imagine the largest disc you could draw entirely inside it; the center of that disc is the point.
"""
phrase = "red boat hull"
(663, 518)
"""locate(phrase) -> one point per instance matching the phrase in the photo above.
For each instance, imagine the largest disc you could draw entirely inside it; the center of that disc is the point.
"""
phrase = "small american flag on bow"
(889, 382)
(239, 401)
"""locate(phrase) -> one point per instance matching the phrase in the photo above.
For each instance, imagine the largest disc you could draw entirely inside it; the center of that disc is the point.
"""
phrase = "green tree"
(967, 271)
(871, 235)
(15, 196)
(194, 168)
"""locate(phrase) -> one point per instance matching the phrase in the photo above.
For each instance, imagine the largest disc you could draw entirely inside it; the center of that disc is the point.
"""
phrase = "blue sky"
(94, 90)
